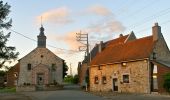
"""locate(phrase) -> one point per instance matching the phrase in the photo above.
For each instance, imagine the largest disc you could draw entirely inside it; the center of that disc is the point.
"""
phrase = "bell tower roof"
(41, 38)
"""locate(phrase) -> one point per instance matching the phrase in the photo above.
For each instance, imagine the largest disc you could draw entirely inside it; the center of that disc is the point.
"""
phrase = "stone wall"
(36, 57)
(162, 51)
(138, 72)
(25, 88)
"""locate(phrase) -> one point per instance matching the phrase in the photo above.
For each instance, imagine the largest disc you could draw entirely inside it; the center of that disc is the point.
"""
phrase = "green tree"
(2, 73)
(65, 69)
(7, 53)
(75, 79)
(167, 82)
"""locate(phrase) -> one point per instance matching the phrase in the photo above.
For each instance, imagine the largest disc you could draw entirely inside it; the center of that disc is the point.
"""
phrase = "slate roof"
(118, 51)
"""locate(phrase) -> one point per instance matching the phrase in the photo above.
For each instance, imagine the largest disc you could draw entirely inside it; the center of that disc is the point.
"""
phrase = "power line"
(140, 9)
(158, 14)
(148, 28)
(36, 41)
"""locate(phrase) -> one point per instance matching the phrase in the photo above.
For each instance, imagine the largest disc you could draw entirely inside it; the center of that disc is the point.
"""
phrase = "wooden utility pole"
(83, 38)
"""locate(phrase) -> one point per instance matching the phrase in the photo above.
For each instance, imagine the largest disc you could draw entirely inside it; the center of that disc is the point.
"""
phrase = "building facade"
(41, 66)
(132, 65)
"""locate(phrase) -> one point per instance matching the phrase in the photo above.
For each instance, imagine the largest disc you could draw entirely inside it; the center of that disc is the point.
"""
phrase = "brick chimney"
(120, 35)
(156, 32)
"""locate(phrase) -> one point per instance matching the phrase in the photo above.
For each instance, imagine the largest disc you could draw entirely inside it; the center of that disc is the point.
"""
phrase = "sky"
(102, 20)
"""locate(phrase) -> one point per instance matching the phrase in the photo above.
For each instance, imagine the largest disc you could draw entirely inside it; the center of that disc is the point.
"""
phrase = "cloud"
(69, 38)
(56, 16)
(105, 29)
(99, 10)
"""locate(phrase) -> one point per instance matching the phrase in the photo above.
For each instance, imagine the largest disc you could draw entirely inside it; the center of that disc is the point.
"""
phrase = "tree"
(65, 69)
(7, 53)
(167, 82)
(71, 79)
(76, 79)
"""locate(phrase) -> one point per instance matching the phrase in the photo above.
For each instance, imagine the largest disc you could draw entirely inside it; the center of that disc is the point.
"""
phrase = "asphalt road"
(73, 92)
(61, 95)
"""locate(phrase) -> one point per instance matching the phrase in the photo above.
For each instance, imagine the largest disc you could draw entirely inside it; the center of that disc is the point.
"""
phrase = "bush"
(167, 82)
(71, 79)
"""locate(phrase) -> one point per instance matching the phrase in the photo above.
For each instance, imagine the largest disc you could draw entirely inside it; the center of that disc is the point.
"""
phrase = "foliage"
(87, 80)
(2, 73)
(65, 69)
(75, 79)
(7, 90)
(71, 79)
(167, 82)
(7, 53)
(68, 79)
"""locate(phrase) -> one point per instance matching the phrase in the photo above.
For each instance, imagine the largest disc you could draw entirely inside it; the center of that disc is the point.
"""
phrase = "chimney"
(120, 35)
(100, 46)
(156, 32)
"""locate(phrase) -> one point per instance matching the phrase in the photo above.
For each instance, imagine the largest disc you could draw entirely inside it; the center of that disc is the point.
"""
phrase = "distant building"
(12, 76)
(131, 65)
(39, 68)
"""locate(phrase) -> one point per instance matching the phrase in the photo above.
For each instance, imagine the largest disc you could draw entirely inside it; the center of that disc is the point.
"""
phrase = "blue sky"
(101, 19)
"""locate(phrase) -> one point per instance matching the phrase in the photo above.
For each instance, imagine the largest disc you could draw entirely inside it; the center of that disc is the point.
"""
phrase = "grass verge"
(7, 90)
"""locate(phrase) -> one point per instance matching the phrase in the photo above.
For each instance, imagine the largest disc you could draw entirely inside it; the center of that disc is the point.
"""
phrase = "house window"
(104, 79)
(53, 67)
(29, 67)
(96, 80)
(125, 78)
(42, 56)
(99, 67)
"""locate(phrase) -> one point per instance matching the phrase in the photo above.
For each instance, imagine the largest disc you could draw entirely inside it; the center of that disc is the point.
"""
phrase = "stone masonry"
(44, 57)
(138, 77)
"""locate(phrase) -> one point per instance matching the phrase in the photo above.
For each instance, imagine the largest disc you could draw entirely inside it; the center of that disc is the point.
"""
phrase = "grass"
(7, 90)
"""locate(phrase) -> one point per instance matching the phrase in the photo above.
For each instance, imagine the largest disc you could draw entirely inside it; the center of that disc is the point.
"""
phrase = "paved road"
(70, 92)
(73, 92)
(61, 95)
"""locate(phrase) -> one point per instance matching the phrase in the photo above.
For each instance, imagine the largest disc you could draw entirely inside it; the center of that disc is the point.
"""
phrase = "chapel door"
(40, 78)
(115, 84)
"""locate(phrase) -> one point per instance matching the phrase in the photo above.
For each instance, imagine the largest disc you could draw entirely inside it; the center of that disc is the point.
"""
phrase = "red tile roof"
(117, 41)
(117, 51)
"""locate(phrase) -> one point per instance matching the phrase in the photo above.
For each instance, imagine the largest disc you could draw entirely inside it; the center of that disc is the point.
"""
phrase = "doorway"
(40, 79)
(115, 84)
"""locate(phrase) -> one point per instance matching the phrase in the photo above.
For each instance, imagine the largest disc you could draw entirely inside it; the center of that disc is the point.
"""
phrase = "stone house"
(12, 76)
(132, 65)
(37, 69)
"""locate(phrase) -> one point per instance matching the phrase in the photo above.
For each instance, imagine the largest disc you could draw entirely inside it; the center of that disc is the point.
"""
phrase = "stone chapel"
(40, 67)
